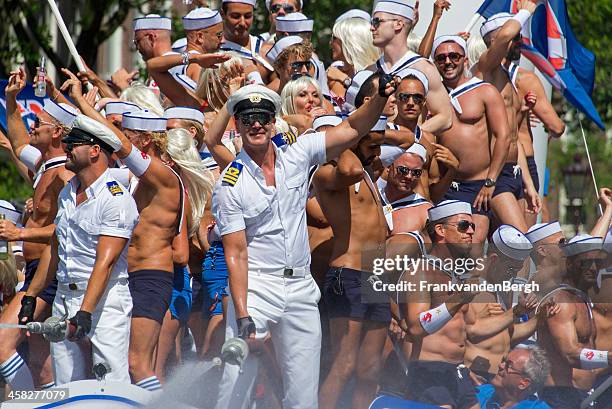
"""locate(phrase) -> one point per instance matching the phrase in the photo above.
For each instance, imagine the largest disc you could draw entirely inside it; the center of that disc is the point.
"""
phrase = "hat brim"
(254, 111)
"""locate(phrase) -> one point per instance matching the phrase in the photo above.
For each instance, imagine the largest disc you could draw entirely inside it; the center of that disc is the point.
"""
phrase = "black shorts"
(562, 397)
(533, 171)
(509, 181)
(343, 296)
(604, 401)
(484, 374)
(466, 191)
(198, 293)
(151, 292)
(440, 383)
(48, 294)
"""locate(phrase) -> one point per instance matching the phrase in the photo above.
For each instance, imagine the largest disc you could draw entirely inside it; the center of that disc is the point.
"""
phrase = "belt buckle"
(288, 272)
(73, 286)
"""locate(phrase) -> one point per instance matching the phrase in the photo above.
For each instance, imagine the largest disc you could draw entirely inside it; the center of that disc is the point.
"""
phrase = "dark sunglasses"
(71, 145)
(263, 118)
(376, 21)
(404, 170)
(38, 122)
(297, 75)
(297, 65)
(417, 98)
(463, 226)
(454, 57)
(275, 8)
(600, 263)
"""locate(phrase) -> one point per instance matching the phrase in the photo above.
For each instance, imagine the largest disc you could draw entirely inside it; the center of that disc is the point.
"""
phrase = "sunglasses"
(463, 226)
(71, 145)
(405, 97)
(404, 170)
(38, 122)
(297, 75)
(454, 57)
(263, 118)
(509, 366)
(376, 21)
(297, 65)
(275, 8)
(600, 263)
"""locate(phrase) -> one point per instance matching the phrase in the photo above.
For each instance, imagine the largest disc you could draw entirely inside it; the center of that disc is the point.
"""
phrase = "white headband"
(120, 108)
(448, 208)
(582, 243)
(540, 231)
(294, 23)
(188, 113)
(326, 120)
(418, 149)
(402, 9)
(143, 121)
(280, 45)
(494, 22)
(201, 18)
(63, 113)
(449, 39)
(404, 72)
(512, 243)
(354, 13)
(152, 22)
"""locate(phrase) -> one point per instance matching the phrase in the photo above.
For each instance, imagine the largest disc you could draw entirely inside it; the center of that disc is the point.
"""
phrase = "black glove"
(246, 327)
(28, 306)
(382, 84)
(82, 322)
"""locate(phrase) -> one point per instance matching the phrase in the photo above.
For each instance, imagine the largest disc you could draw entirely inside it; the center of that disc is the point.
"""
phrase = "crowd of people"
(245, 190)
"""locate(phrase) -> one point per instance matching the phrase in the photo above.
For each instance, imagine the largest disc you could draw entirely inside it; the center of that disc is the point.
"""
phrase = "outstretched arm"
(17, 133)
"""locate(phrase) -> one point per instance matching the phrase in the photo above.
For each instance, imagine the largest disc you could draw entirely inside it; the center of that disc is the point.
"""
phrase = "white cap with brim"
(249, 2)
(152, 22)
(380, 125)
(326, 120)
(179, 45)
(357, 81)
(120, 108)
(10, 212)
(494, 22)
(418, 149)
(63, 113)
(294, 23)
(354, 13)
(404, 72)
(255, 95)
(200, 18)
(540, 231)
(448, 208)
(449, 39)
(403, 9)
(268, 3)
(582, 243)
(188, 113)
(282, 44)
(143, 120)
(92, 131)
(512, 243)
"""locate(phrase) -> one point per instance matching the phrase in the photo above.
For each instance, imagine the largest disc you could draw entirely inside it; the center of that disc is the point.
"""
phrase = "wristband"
(593, 359)
(30, 156)
(434, 319)
(254, 77)
(185, 58)
(522, 16)
(138, 162)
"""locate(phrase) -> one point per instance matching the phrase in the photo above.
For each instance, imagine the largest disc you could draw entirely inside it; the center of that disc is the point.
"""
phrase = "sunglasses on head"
(377, 21)
(38, 122)
(454, 57)
(463, 225)
(297, 65)
(264, 118)
(275, 8)
(405, 97)
(404, 170)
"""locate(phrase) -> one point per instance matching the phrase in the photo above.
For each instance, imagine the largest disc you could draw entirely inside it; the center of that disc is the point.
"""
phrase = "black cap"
(254, 105)
(77, 135)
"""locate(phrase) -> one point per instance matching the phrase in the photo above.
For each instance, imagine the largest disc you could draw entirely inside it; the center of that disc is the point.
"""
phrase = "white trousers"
(285, 308)
(109, 336)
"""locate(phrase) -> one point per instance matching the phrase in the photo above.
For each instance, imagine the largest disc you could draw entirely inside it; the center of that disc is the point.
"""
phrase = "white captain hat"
(254, 98)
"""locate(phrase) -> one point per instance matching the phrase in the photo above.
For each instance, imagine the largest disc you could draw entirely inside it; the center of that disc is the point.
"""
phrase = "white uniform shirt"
(273, 217)
(109, 210)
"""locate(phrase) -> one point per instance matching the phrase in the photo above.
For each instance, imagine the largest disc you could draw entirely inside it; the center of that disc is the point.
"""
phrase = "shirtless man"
(478, 118)
(351, 203)
(278, 8)
(437, 321)
(500, 33)
(568, 337)
(42, 152)
(391, 25)
(204, 31)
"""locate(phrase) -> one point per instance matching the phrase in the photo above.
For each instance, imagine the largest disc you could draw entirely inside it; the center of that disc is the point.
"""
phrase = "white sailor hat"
(89, 130)
(326, 120)
(268, 2)
(200, 18)
(449, 39)
(10, 212)
(63, 113)
(188, 113)
(120, 107)
(582, 243)
(448, 208)
(152, 22)
(143, 120)
(494, 22)
(511, 242)
(280, 45)
(357, 81)
(402, 8)
(540, 231)
(404, 72)
(179, 45)
(353, 13)
(380, 125)
(253, 98)
(249, 2)
(294, 23)
(418, 149)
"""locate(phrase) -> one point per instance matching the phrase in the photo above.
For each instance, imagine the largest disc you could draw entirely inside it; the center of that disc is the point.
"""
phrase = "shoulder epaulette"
(230, 177)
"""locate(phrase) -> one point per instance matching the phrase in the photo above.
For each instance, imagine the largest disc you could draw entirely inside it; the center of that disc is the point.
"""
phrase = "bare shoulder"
(265, 48)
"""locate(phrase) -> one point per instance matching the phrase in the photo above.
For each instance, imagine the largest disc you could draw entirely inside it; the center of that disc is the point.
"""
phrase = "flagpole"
(472, 23)
(586, 147)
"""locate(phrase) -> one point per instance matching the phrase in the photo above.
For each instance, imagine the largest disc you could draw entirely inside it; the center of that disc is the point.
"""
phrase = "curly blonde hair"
(303, 51)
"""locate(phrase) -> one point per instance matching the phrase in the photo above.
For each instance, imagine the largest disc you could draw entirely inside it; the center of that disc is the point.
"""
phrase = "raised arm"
(347, 172)
(17, 133)
(430, 35)
(438, 102)
(603, 223)
(213, 139)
